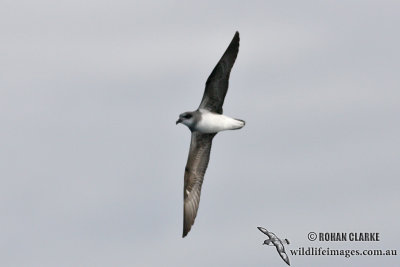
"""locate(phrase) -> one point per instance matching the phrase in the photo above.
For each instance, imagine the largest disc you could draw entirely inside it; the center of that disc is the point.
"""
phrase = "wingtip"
(236, 35)
(185, 231)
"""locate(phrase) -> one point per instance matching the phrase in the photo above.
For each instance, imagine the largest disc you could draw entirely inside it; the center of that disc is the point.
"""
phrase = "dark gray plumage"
(218, 81)
(196, 166)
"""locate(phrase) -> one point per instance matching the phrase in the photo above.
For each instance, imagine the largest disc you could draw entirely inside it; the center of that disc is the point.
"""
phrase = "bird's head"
(186, 118)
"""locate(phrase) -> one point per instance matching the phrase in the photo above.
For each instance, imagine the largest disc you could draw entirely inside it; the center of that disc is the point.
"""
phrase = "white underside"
(214, 123)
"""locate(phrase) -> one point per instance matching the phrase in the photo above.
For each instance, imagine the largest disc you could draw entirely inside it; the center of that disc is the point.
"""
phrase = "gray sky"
(91, 161)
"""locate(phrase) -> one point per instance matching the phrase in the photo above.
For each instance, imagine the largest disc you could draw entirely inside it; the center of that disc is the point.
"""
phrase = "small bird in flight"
(204, 123)
(273, 240)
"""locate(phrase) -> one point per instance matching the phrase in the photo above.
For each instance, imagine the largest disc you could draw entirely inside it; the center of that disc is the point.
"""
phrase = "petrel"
(273, 240)
(204, 123)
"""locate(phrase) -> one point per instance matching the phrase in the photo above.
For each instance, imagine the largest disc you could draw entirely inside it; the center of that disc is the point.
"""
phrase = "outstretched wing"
(283, 255)
(281, 250)
(265, 231)
(218, 81)
(273, 236)
(199, 155)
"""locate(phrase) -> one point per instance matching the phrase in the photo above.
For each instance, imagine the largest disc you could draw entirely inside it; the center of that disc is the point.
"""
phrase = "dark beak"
(178, 121)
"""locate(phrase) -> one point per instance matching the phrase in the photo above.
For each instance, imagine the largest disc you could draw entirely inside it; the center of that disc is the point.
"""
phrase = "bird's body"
(211, 122)
(204, 123)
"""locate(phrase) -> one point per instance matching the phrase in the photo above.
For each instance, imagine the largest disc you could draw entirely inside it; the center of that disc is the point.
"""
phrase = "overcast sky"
(92, 163)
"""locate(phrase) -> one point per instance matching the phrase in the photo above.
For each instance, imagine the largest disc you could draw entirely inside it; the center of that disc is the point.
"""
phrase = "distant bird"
(275, 241)
(204, 123)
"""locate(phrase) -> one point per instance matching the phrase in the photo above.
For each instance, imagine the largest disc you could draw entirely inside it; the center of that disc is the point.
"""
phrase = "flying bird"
(273, 240)
(204, 123)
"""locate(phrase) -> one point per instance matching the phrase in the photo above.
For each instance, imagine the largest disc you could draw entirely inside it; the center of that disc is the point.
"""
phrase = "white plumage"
(213, 122)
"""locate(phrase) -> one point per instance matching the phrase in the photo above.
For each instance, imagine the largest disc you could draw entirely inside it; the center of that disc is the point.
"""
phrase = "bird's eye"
(187, 116)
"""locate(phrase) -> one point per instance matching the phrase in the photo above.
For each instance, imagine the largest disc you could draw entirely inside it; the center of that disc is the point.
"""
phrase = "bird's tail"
(238, 124)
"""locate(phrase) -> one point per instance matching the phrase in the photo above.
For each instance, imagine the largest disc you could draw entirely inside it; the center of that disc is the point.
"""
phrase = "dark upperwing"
(218, 81)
